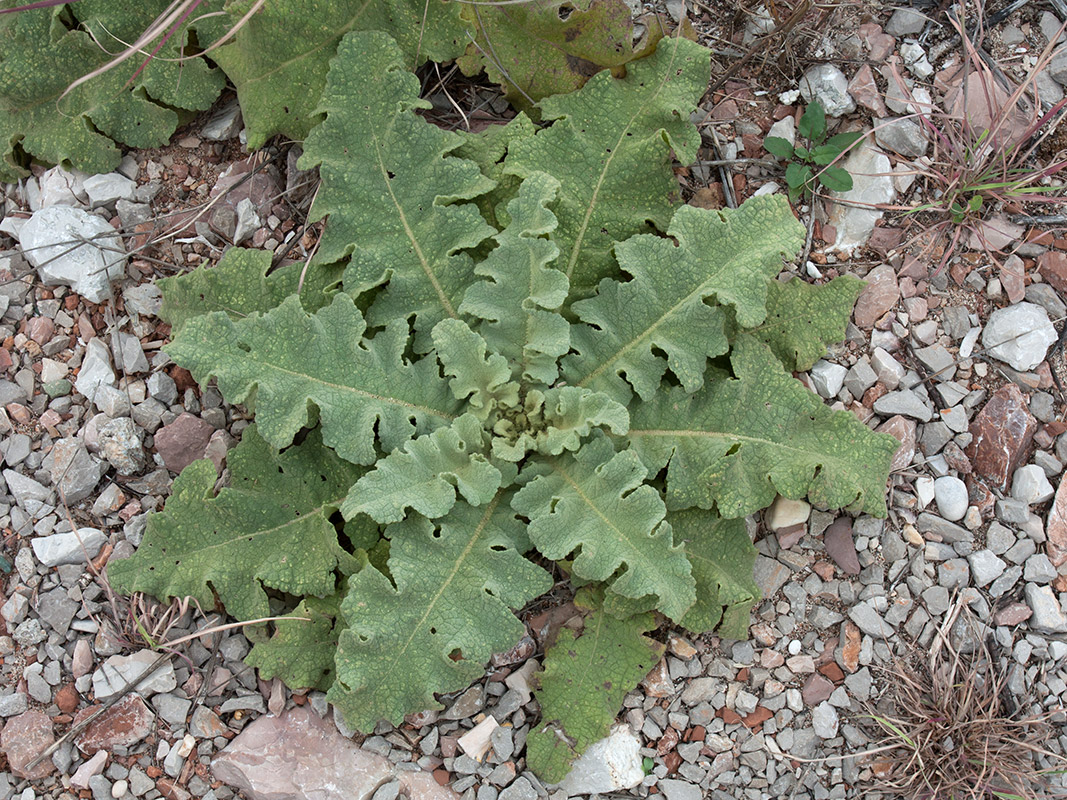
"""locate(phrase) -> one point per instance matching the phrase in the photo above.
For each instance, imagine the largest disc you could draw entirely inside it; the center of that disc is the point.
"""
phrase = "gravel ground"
(96, 421)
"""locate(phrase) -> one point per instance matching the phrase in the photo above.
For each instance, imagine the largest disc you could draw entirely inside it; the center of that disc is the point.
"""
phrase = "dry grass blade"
(951, 728)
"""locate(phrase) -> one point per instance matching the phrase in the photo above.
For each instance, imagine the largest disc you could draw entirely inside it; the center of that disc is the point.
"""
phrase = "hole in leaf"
(565, 12)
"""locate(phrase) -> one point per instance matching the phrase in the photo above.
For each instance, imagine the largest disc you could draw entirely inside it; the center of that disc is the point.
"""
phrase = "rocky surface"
(959, 365)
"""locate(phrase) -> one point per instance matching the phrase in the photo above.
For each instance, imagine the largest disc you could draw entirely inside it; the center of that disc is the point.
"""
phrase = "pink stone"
(183, 441)
(1001, 435)
(300, 755)
(1053, 268)
(1012, 273)
(816, 689)
(865, 91)
(24, 738)
(840, 547)
(879, 296)
(1056, 530)
(41, 330)
(904, 430)
(1014, 614)
(127, 722)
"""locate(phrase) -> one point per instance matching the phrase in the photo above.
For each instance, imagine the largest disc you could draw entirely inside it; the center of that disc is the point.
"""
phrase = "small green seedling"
(818, 151)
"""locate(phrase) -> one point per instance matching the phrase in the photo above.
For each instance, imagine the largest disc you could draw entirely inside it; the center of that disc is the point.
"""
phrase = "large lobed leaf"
(426, 473)
(726, 256)
(611, 148)
(520, 299)
(391, 188)
(723, 557)
(40, 57)
(583, 685)
(803, 319)
(240, 285)
(269, 528)
(292, 362)
(595, 502)
(279, 58)
(446, 611)
(738, 442)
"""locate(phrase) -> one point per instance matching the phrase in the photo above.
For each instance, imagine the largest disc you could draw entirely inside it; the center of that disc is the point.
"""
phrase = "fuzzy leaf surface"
(583, 685)
(426, 473)
(269, 529)
(558, 419)
(610, 147)
(279, 59)
(534, 50)
(484, 381)
(294, 362)
(723, 558)
(595, 501)
(301, 651)
(40, 57)
(803, 319)
(520, 300)
(455, 583)
(390, 188)
(239, 285)
(487, 148)
(736, 443)
(727, 256)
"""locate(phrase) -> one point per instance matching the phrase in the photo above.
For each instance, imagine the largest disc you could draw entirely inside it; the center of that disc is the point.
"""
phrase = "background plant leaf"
(727, 256)
(802, 319)
(269, 528)
(546, 47)
(583, 685)
(611, 149)
(390, 189)
(595, 501)
(454, 585)
(279, 59)
(293, 362)
(40, 56)
(737, 443)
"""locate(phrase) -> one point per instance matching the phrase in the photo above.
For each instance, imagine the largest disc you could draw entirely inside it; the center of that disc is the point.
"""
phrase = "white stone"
(519, 680)
(105, 190)
(828, 378)
(679, 790)
(610, 765)
(475, 742)
(924, 490)
(28, 493)
(68, 548)
(827, 84)
(872, 183)
(785, 128)
(1019, 335)
(784, 513)
(95, 370)
(94, 766)
(61, 187)
(915, 60)
(1030, 485)
(248, 221)
(224, 123)
(986, 567)
(825, 721)
(117, 671)
(952, 498)
(1048, 614)
(71, 247)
